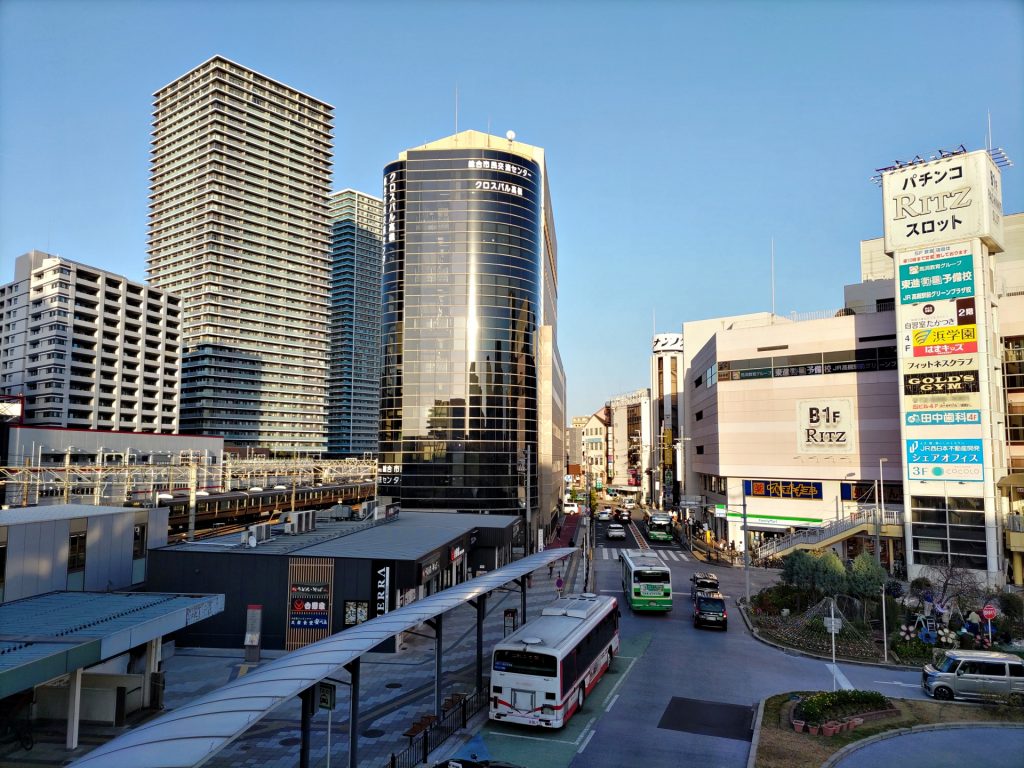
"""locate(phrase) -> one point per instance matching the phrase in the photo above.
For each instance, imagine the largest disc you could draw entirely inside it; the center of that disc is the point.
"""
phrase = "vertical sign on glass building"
(943, 221)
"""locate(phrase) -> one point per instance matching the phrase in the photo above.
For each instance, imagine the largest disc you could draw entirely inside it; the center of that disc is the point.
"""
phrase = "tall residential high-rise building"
(88, 349)
(239, 229)
(353, 379)
(472, 383)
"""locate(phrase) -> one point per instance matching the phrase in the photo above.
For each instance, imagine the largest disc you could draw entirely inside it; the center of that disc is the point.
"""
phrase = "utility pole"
(746, 547)
(880, 511)
(193, 477)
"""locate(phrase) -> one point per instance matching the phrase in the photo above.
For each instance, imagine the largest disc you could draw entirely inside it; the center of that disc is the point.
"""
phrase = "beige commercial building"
(797, 421)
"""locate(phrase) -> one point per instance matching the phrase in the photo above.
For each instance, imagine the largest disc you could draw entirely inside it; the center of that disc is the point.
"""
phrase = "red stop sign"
(989, 612)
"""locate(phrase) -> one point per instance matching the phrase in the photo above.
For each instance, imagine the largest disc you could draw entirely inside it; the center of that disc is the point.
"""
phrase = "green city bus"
(659, 526)
(646, 581)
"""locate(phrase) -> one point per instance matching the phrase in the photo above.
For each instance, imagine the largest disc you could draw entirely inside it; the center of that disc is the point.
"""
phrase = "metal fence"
(421, 745)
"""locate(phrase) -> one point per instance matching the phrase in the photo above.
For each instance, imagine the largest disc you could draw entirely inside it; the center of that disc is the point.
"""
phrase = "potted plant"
(812, 728)
(798, 726)
(829, 729)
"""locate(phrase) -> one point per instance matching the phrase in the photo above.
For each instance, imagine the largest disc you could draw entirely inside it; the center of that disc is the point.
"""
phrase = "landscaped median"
(785, 739)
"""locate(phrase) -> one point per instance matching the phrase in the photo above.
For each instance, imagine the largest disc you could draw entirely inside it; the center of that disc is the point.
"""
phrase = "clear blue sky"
(681, 136)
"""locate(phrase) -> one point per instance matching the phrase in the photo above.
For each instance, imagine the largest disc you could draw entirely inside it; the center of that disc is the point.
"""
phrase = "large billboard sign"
(954, 197)
(945, 459)
(668, 342)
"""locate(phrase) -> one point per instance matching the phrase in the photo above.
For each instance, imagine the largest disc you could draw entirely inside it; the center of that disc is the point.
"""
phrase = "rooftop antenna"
(773, 280)
(456, 109)
(488, 130)
(988, 138)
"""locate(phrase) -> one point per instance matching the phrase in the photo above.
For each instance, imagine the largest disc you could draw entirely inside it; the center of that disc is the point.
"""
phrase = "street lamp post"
(880, 512)
(746, 548)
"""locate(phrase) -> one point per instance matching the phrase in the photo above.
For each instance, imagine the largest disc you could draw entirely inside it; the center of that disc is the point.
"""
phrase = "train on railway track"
(255, 504)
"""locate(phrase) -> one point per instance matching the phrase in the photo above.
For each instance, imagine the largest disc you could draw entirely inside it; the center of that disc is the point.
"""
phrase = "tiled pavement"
(396, 689)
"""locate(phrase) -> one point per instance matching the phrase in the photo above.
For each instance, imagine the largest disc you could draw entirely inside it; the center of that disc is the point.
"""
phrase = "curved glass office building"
(468, 323)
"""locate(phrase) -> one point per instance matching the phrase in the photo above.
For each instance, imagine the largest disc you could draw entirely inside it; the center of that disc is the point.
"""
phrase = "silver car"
(976, 675)
(615, 531)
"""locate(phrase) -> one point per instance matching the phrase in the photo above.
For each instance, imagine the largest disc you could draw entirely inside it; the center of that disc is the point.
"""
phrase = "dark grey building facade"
(467, 290)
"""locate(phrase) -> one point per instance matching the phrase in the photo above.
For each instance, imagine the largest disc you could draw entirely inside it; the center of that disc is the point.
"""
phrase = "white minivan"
(571, 508)
(975, 675)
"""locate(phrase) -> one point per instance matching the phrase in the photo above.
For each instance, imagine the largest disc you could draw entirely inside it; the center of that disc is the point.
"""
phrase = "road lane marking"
(841, 679)
(894, 682)
(532, 738)
(611, 703)
(685, 558)
(585, 742)
(586, 729)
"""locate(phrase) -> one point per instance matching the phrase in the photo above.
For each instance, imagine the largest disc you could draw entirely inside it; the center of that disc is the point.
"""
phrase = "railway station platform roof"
(44, 637)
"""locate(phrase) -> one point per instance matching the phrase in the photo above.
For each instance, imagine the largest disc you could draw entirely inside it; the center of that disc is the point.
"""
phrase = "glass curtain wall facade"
(461, 293)
(239, 181)
(353, 379)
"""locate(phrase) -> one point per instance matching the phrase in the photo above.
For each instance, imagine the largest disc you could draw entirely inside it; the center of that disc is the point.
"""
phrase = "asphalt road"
(677, 695)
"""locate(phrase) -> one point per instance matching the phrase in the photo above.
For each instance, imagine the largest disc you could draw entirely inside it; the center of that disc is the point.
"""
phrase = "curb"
(752, 755)
(849, 749)
(806, 654)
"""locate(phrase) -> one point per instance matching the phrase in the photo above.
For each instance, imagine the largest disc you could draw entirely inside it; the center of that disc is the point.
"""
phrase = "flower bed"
(835, 705)
(790, 631)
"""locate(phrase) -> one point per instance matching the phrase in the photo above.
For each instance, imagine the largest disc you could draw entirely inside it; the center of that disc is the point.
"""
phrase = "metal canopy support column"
(353, 713)
(481, 611)
(522, 598)
(437, 624)
(309, 702)
(74, 707)
(153, 648)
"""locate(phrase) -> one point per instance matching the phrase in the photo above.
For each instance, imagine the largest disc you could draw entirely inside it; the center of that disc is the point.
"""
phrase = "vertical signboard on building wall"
(943, 220)
(310, 592)
(383, 586)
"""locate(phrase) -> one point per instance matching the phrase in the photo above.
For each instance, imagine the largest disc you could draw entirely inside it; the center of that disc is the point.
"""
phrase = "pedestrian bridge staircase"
(861, 521)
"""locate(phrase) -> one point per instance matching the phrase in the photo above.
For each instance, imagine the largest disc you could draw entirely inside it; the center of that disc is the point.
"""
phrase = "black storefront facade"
(295, 589)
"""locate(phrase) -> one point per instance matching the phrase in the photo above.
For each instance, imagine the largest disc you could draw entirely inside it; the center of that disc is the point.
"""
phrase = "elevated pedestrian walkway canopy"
(61, 633)
(191, 734)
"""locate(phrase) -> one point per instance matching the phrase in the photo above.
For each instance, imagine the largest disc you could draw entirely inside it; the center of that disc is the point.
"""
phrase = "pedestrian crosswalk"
(612, 553)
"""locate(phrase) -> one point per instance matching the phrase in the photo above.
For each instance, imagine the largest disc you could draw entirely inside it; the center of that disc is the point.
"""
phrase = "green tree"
(866, 579)
(798, 569)
(829, 574)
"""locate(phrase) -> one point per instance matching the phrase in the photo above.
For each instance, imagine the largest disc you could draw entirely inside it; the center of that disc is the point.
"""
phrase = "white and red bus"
(542, 672)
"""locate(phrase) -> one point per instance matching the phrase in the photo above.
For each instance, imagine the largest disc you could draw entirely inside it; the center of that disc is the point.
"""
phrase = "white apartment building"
(88, 349)
(632, 446)
(239, 229)
(596, 450)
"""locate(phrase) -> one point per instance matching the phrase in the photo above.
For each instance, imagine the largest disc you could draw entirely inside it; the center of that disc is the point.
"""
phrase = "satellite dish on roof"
(252, 540)
(510, 135)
